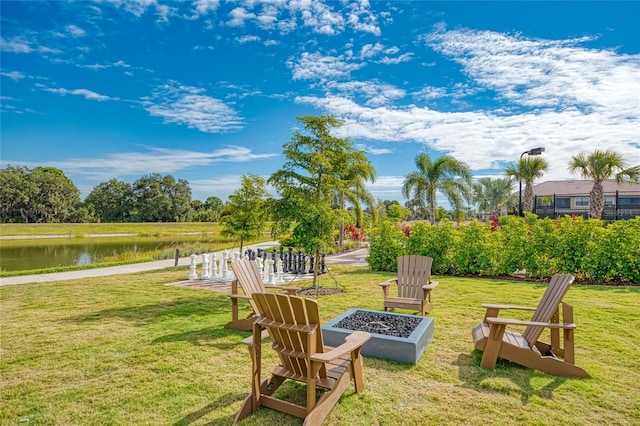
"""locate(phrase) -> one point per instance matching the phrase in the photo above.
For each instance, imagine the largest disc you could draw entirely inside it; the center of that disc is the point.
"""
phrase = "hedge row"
(592, 250)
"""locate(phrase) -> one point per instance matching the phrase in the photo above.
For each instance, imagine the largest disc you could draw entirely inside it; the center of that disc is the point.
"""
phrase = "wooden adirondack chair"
(293, 323)
(414, 284)
(492, 337)
(249, 277)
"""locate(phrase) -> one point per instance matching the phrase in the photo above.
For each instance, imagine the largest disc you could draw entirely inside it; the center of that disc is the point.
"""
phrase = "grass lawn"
(129, 350)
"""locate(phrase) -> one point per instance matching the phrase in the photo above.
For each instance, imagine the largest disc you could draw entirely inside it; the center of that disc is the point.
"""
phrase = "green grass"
(132, 350)
(80, 229)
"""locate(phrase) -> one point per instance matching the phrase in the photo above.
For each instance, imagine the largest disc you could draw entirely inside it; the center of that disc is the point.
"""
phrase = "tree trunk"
(432, 207)
(528, 198)
(596, 202)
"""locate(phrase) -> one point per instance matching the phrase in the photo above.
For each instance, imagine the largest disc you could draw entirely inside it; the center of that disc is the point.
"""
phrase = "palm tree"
(446, 174)
(491, 194)
(600, 166)
(528, 170)
(353, 177)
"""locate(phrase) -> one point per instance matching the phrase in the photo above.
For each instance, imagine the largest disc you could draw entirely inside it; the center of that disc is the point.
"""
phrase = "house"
(556, 198)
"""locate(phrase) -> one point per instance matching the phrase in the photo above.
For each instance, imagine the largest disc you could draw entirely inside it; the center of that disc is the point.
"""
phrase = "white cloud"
(405, 57)
(248, 39)
(546, 73)
(238, 17)
(319, 16)
(561, 96)
(189, 105)
(374, 92)
(315, 66)
(371, 50)
(14, 75)
(75, 31)
(204, 7)
(16, 45)
(87, 94)
(372, 150)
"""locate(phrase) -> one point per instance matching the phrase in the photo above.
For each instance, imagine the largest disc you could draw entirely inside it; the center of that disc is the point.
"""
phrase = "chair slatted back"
(414, 271)
(248, 274)
(293, 324)
(556, 290)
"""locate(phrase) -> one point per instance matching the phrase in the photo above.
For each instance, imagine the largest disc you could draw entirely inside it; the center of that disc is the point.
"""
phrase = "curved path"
(354, 257)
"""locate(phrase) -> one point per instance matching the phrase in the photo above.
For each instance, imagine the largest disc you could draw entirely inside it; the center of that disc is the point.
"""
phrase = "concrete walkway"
(356, 258)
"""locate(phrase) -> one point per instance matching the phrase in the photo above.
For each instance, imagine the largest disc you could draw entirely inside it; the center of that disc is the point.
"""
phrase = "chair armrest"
(509, 321)
(249, 340)
(279, 287)
(387, 282)
(522, 308)
(430, 286)
(352, 342)
(239, 296)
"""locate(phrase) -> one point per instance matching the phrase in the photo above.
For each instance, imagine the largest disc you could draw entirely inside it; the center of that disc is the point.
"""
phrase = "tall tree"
(56, 198)
(162, 198)
(353, 177)
(447, 175)
(600, 166)
(491, 194)
(527, 170)
(246, 211)
(308, 179)
(112, 201)
(17, 191)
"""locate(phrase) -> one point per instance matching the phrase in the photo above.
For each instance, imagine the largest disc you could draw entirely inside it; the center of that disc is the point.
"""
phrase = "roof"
(583, 187)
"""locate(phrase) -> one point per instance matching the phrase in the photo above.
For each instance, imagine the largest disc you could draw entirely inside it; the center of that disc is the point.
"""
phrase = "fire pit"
(393, 336)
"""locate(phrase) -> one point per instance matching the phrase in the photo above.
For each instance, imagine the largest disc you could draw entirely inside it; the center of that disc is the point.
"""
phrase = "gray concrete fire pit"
(393, 336)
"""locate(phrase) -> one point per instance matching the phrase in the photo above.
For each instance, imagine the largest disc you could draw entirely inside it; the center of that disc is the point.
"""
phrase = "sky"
(209, 90)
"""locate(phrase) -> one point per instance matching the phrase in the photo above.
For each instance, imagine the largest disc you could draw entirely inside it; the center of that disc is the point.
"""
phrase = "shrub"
(435, 241)
(475, 251)
(386, 244)
(590, 249)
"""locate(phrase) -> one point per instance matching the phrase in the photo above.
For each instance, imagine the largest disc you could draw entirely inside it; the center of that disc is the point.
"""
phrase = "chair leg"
(356, 370)
(492, 348)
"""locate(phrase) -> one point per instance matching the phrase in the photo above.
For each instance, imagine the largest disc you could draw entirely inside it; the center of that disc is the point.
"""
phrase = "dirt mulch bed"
(319, 291)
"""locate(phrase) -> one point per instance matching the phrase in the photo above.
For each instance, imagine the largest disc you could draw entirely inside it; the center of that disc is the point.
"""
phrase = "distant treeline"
(46, 194)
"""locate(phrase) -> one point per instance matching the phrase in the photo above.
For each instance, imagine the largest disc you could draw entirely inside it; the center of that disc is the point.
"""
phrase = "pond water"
(18, 256)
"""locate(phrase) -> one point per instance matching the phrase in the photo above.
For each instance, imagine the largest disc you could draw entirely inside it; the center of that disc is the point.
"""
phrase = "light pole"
(534, 151)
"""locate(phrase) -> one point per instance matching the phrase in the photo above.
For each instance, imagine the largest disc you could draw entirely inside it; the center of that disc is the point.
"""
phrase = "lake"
(18, 255)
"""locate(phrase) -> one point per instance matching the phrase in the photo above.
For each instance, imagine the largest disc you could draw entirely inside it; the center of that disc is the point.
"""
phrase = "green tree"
(56, 197)
(308, 179)
(491, 194)
(246, 211)
(527, 170)
(600, 166)
(447, 175)
(162, 199)
(397, 213)
(354, 174)
(112, 201)
(16, 193)
(215, 204)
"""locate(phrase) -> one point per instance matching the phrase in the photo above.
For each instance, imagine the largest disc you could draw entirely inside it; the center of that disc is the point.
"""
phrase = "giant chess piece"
(192, 268)
(213, 261)
(224, 267)
(280, 273)
(205, 266)
(268, 264)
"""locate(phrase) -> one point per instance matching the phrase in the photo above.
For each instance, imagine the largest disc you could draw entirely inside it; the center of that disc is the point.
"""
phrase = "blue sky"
(209, 90)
